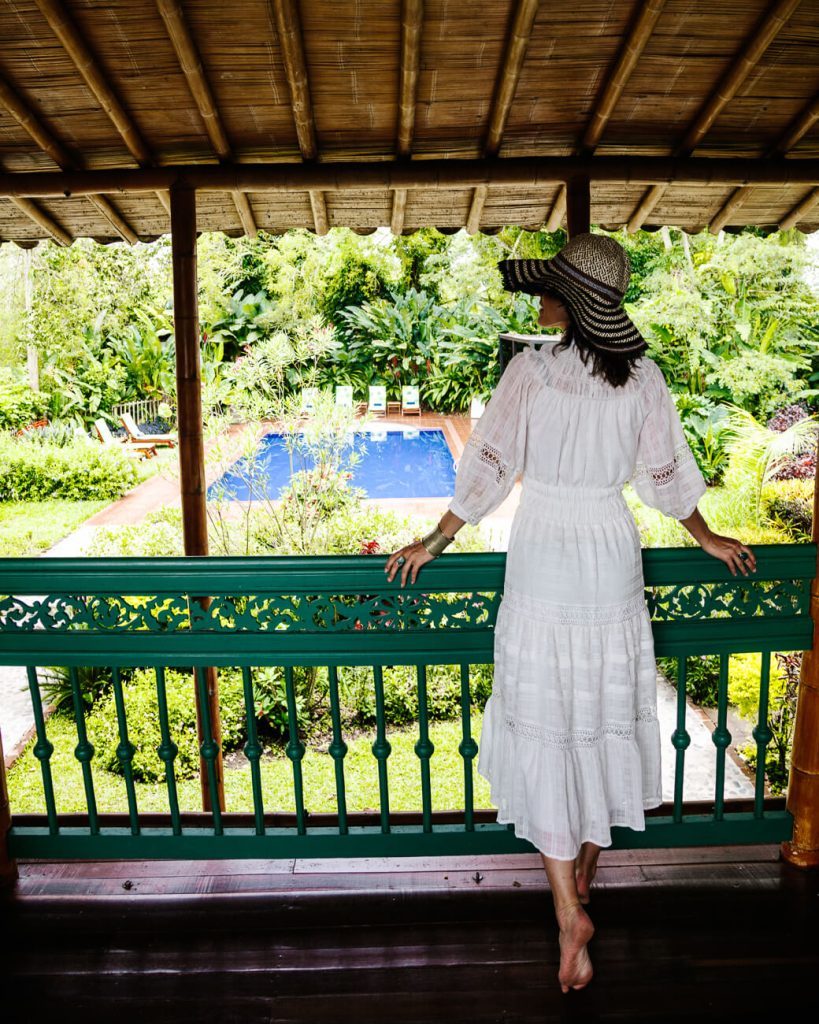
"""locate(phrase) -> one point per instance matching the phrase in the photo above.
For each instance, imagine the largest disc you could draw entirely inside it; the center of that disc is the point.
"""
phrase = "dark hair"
(614, 367)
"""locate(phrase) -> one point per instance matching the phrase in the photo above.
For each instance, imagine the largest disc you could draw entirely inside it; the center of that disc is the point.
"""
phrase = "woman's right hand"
(730, 550)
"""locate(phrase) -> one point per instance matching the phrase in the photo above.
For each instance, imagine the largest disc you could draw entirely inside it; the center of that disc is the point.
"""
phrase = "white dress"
(570, 743)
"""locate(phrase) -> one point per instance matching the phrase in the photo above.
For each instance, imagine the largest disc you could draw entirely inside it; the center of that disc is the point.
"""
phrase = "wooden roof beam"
(86, 63)
(791, 219)
(288, 26)
(632, 50)
(798, 127)
(28, 120)
(741, 66)
(627, 60)
(42, 220)
(412, 15)
(190, 61)
(517, 44)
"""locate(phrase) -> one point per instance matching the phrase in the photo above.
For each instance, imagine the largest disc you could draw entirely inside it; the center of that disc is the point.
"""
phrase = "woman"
(570, 742)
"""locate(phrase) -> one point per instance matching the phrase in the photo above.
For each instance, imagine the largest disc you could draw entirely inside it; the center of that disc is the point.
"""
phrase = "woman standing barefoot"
(570, 742)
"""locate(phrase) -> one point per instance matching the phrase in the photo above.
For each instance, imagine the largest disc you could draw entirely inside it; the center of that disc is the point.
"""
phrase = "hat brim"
(600, 318)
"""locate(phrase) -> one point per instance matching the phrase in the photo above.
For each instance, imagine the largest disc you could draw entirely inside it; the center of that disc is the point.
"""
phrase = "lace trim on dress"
(663, 475)
(568, 739)
(574, 614)
(491, 455)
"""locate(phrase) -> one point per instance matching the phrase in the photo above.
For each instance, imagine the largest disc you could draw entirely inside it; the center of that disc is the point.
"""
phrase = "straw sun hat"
(590, 275)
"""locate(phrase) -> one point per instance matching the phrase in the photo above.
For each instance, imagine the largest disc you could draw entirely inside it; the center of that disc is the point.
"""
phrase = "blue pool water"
(392, 464)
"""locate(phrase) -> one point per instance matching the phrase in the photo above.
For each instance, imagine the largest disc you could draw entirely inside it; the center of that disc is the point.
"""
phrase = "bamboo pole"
(791, 219)
(578, 205)
(803, 785)
(558, 210)
(8, 866)
(399, 209)
(191, 439)
(42, 220)
(412, 14)
(437, 174)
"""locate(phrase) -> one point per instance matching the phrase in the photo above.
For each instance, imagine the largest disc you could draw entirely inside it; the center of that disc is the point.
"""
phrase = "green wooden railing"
(341, 611)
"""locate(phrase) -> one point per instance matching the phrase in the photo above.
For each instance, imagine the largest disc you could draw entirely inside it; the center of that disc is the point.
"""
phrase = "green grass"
(360, 773)
(29, 527)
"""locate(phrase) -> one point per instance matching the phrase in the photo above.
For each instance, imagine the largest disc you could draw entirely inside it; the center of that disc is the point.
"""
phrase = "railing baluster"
(424, 747)
(42, 750)
(125, 752)
(167, 751)
(381, 748)
(467, 748)
(295, 748)
(83, 752)
(680, 738)
(209, 750)
(762, 734)
(337, 750)
(253, 751)
(721, 737)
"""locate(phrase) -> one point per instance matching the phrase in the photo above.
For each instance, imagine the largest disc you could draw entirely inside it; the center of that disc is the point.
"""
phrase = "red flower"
(370, 547)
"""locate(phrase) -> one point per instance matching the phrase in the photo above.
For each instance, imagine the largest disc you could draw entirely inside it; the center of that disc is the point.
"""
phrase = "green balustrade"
(336, 611)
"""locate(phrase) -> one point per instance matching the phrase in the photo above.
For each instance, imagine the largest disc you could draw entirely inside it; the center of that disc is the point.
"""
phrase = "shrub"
(788, 505)
(142, 712)
(79, 471)
(19, 405)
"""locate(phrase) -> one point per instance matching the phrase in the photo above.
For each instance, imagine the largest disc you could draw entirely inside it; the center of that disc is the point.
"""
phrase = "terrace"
(469, 117)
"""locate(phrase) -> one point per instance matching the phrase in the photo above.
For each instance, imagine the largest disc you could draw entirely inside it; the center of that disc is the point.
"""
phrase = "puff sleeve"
(666, 475)
(494, 454)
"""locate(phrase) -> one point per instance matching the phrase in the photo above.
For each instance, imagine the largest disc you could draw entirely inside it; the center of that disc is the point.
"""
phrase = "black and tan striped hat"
(590, 274)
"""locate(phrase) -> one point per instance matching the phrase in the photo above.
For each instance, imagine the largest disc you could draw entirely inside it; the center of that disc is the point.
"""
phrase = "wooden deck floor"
(726, 933)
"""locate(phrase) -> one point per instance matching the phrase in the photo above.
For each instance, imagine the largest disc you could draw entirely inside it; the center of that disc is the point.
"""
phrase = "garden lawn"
(29, 527)
(360, 773)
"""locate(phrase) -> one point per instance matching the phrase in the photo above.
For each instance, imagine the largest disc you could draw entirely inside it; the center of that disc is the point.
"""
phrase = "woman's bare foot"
(576, 930)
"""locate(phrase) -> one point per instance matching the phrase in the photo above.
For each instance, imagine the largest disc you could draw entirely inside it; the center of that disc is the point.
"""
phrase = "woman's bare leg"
(585, 868)
(575, 925)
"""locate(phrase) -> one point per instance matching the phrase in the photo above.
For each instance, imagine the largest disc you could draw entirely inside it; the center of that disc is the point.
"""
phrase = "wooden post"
(191, 439)
(803, 785)
(8, 867)
(578, 205)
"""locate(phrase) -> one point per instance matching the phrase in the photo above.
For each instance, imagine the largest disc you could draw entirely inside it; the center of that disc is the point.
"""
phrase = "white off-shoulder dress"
(570, 742)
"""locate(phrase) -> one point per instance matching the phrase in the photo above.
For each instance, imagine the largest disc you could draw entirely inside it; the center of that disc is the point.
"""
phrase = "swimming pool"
(411, 463)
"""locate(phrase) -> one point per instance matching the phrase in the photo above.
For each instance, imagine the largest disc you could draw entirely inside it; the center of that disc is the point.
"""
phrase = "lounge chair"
(378, 400)
(135, 435)
(344, 396)
(308, 401)
(142, 449)
(410, 402)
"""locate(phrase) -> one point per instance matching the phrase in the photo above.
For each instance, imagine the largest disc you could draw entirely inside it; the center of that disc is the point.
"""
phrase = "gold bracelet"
(436, 541)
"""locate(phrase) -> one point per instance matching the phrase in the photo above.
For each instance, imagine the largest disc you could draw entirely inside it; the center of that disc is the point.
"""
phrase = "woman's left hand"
(414, 556)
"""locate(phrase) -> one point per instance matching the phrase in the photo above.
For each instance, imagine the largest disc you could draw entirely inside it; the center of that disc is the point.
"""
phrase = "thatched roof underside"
(103, 84)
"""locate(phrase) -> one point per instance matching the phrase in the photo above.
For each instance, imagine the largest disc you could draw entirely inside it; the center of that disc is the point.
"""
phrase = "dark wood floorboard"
(730, 932)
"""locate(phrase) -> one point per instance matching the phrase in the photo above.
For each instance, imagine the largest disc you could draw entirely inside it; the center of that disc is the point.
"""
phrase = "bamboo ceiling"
(102, 85)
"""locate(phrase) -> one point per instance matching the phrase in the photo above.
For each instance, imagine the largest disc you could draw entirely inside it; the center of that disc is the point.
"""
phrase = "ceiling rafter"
(799, 126)
(632, 49)
(50, 145)
(190, 60)
(514, 55)
(412, 19)
(288, 26)
(42, 219)
(792, 218)
(86, 63)
(764, 33)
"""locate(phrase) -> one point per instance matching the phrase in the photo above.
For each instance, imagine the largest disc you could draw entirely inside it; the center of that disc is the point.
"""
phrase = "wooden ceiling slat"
(763, 35)
(190, 61)
(27, 120)
(520, 33)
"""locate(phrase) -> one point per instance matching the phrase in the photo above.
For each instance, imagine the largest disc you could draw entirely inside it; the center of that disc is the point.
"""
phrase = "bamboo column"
(191, 439)
(578, 205)
(8, 866)
(803, 785)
